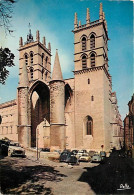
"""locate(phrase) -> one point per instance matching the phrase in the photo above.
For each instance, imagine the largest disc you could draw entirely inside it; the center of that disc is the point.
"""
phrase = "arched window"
(89, 129)
(92, 41)
(84, 62)
(88, 81)
(26, 59)
(46, 76)
(42, 58)
(92, 57)
(31, 73)
(31, 58)
(46, 60)
(83, 43)
(92, 98)
(42, 72)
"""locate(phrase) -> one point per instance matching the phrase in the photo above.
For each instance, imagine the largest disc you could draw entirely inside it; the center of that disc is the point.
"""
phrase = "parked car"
(4, 147)
(85, 157)
(91, 153)
(45, 149)
(96, 158)
(72, 159)
(80, 153)
(15, 149)
(103, 154)
(64, 156)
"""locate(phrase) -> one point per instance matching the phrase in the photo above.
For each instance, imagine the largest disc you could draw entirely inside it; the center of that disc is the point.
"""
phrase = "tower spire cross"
(29, 26)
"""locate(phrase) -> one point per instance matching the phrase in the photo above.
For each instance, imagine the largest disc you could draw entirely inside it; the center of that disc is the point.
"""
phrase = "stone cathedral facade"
(79, 112)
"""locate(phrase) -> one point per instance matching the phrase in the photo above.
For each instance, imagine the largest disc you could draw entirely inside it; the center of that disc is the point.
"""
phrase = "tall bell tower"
(37, 58)
(92, 82)
(34, 65)
(90, 42)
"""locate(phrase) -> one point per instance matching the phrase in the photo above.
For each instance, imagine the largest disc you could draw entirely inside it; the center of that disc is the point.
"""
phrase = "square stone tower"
(92, 83)
(33, 91)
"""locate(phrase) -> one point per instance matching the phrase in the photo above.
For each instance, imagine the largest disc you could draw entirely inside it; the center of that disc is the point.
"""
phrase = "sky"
(55, 20)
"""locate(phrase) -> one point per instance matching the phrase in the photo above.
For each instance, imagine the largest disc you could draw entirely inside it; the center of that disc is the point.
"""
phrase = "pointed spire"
(37, 36)
(103, 16)
(49, 46)
(29, 36)
(24, 82)
(57, 74)
(44, 41)
(75, 21)
(21, 42)
(88, 16)
(79, 23)
(106, 24)
(101, 11)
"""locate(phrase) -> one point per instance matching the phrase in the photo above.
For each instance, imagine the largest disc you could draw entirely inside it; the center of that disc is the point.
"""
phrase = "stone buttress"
(24, 130)
(57, 104)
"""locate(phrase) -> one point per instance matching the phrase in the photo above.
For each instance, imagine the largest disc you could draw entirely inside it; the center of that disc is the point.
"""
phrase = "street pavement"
(31, 176)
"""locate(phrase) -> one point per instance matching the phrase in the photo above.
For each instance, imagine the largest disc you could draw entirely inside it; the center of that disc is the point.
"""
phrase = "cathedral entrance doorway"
(40, 113)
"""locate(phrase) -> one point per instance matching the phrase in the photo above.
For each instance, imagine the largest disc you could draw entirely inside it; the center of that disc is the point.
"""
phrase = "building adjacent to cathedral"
(79, 112)
(129, 128)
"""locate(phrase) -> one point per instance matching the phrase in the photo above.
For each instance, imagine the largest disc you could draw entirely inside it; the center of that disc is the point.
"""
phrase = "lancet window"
(92, 41)
(92, 58)
(26, 59)
(84, 62)
(31, 58)
(89, 125)
(83, 43)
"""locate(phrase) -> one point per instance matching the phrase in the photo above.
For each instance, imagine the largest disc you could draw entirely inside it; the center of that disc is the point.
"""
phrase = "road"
(28, 176)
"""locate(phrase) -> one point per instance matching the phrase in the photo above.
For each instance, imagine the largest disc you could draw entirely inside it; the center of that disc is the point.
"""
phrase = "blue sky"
(55, 20)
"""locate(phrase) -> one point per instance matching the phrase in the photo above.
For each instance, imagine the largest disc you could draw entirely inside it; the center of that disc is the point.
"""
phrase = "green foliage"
(6, 60)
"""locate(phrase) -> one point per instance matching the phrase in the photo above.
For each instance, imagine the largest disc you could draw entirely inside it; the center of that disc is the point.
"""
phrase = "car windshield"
(102, 153)
(96, 155)
(84, 154)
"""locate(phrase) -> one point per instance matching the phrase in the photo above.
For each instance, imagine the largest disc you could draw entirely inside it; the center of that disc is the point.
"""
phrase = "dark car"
(45, 150)
(68, 157)
(64, 155)
(103, 154)
(4, 147)
(72, 159)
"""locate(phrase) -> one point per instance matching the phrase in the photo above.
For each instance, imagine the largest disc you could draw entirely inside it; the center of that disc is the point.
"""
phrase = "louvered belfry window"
(31, 56)
(26, 59)
(83, 43)
(92, 42)
(84, 62)
(92, 58)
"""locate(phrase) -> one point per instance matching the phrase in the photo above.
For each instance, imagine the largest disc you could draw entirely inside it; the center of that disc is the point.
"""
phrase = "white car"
(85, 157)
(15, 149)
(80, 153)
(96, 158)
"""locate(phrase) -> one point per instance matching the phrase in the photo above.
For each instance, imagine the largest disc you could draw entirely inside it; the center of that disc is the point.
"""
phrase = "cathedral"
(50, 111)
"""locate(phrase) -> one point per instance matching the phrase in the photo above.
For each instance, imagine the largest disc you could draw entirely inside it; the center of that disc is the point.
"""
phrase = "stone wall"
(8, 126)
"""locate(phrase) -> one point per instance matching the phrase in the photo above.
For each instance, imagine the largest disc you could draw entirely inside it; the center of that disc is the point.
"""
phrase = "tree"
(6, 60)
(6, 57)
(6, 10)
